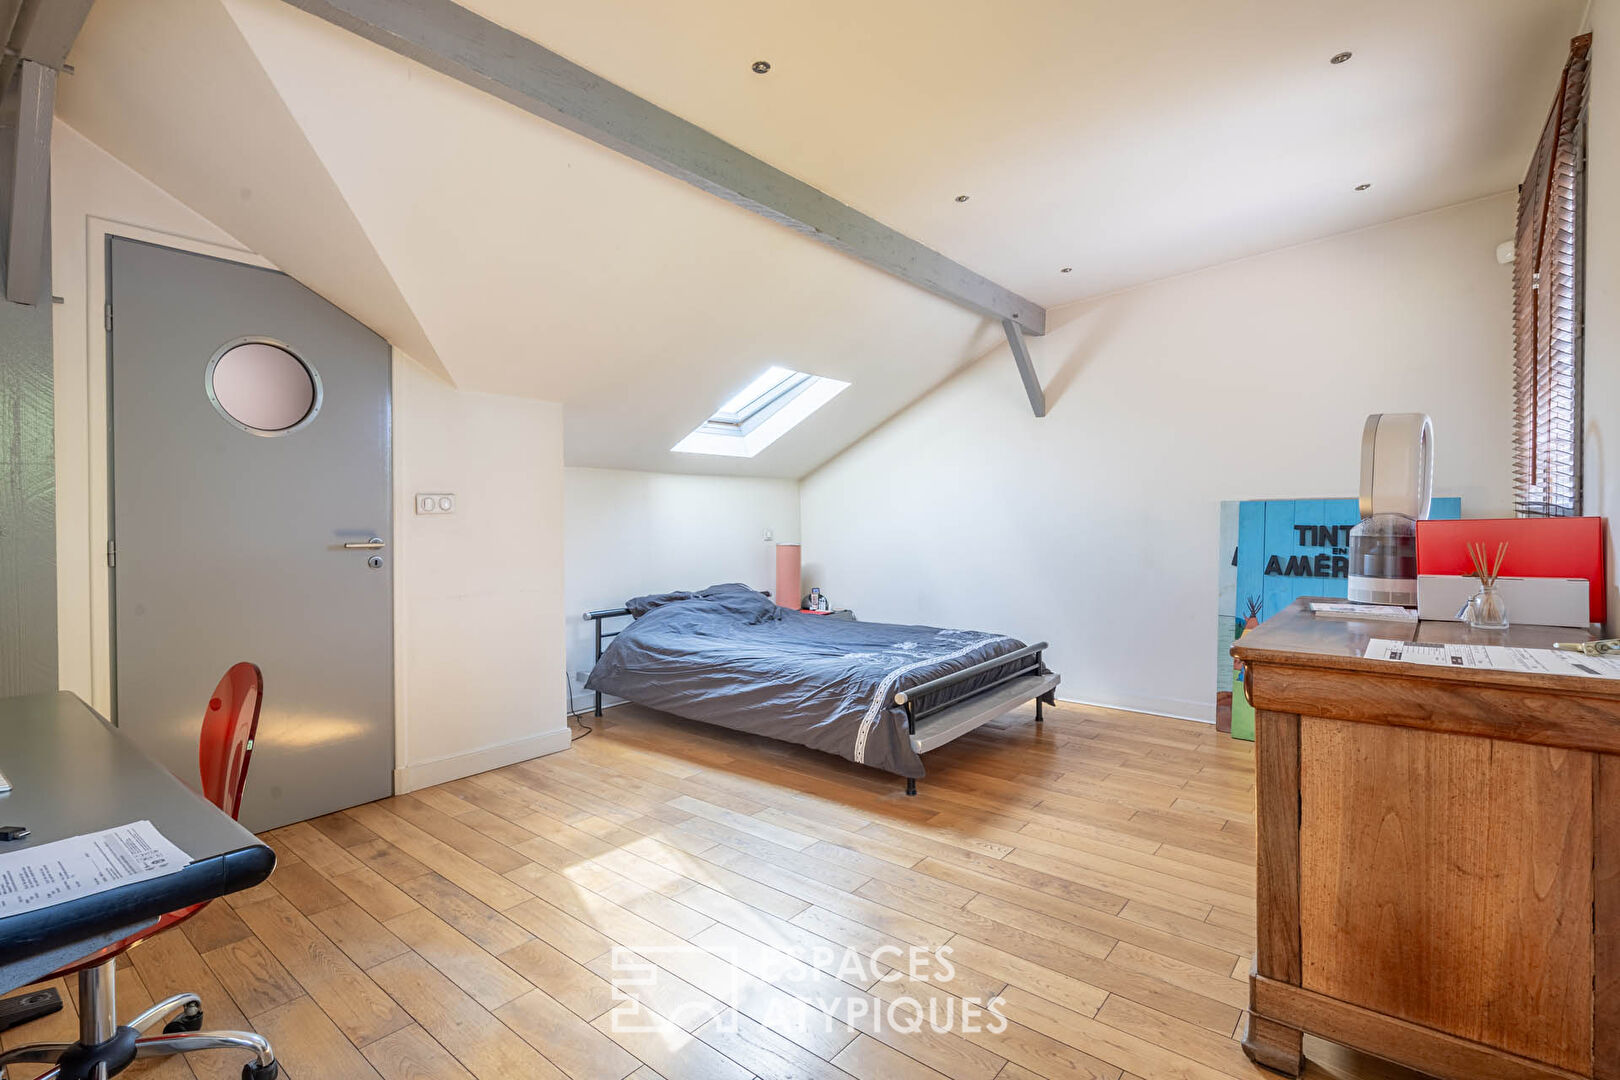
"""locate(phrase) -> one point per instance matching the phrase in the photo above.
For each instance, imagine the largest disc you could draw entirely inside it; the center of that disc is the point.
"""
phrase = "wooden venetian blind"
(1547, 300)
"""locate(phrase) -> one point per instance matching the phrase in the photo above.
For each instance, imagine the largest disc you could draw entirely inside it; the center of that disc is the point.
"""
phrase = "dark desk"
(73, 773)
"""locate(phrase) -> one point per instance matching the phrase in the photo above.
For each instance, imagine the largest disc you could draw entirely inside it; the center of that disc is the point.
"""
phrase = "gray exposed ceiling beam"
(46, 29)
(9, 10)
(37, 35)
(1026, 366)
(448, 38)
(30, 192)
(39, 30)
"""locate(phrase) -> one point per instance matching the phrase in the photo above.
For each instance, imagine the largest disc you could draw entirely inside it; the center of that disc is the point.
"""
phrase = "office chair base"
(82, 1060)
(263, 1067)
(190, 1020)
(191, 1014)
(106, 1049)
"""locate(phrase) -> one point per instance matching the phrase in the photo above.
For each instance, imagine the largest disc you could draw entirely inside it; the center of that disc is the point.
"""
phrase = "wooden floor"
(1095, 873)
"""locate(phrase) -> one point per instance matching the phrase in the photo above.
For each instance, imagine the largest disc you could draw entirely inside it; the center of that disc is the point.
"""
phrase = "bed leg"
(1038, 716)
(911, 785)
(599, 703)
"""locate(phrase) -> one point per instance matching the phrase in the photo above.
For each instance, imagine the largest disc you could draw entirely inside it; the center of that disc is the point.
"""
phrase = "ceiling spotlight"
(1067, 270)
(762, 66)
(1363, 187)
(961, 198)
(1339, 58)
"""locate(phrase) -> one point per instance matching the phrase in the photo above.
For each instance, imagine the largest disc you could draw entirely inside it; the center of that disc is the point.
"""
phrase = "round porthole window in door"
(263, 387)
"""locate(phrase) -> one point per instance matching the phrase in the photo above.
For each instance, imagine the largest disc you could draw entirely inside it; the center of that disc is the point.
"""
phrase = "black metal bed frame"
(598, 616)
(1021, 663)
(1025, 662)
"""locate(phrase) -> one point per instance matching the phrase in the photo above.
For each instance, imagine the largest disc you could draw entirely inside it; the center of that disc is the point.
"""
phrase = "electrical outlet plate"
(435, 503)
(770, 534)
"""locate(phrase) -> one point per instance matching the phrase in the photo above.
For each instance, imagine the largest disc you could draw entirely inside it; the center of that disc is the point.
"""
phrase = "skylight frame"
(759, 414)
(775, 392)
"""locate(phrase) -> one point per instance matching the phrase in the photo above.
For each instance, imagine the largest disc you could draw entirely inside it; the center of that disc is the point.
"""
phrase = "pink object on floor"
(787, 575)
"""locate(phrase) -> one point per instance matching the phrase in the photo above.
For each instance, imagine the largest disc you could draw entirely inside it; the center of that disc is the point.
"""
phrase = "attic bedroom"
(635, 541)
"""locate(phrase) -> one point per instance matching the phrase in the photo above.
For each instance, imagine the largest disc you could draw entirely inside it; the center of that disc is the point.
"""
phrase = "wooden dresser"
(1438, 853)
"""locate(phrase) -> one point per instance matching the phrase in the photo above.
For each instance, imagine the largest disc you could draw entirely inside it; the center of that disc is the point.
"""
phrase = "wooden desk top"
(1295, 637)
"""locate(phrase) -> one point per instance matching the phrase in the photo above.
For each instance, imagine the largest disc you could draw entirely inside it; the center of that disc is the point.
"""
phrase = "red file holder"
(1570, 547)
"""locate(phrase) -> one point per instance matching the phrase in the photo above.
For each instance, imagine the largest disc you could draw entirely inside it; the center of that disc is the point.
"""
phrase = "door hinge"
(112, 553)
(106, 318)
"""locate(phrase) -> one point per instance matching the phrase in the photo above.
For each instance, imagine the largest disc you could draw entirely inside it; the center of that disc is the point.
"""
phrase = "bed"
(878, 694)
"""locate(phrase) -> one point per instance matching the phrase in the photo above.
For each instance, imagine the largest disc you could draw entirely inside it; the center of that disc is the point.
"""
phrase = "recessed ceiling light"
(762, 66)
(1363, 187)
(1067, 270)
(1339, 58)
(961, 198)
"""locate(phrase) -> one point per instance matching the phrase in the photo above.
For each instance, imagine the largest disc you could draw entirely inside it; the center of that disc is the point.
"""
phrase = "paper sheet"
(62, 870)
(1376, 612)
(1496, 658)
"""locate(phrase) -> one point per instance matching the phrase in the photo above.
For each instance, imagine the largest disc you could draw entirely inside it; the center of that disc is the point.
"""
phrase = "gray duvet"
(729, 656)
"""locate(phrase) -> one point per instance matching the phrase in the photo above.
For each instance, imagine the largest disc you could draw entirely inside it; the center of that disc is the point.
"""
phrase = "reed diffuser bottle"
(1487, 610)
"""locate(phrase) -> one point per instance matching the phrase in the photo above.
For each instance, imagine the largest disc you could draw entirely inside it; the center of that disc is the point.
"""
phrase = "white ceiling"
(1128, 141)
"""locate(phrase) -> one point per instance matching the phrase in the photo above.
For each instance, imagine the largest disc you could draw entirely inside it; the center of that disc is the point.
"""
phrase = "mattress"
(727, 655)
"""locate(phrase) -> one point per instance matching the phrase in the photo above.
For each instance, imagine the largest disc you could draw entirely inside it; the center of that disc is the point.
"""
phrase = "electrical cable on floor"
(568, 691)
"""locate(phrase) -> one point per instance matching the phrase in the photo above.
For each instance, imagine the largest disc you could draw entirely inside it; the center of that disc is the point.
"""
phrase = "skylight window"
(760, 413)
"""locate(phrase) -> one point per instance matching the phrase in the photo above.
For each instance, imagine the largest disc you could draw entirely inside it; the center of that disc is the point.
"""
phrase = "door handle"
(374, 544)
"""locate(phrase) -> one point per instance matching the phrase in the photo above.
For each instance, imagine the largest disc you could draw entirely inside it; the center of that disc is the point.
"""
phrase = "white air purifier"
(1397, 474)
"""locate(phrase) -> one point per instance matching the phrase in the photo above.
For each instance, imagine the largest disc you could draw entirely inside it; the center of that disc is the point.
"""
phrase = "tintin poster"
(1274, 551)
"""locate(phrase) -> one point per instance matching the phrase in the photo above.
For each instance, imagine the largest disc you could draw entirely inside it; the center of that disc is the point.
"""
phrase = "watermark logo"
(905, 990)
(638, 979)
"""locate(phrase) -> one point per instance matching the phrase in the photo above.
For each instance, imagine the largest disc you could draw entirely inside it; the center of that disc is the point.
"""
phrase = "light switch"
(435, 503)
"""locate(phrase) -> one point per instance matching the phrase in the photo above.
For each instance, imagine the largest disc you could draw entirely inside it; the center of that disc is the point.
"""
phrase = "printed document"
(1496, 658)
(62, 870)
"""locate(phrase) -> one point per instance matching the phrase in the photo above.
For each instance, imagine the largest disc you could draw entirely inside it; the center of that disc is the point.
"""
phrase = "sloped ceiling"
(171, 88)
(1126, 141)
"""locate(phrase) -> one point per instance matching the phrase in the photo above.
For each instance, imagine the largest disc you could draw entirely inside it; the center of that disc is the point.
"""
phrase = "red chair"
(223, 753)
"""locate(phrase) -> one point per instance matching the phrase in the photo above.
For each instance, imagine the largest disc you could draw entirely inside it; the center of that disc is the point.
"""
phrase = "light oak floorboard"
(1094, 875)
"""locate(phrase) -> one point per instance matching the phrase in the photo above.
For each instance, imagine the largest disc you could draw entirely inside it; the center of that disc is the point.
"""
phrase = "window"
(262, 387)
(1548, 284)
(760, 413)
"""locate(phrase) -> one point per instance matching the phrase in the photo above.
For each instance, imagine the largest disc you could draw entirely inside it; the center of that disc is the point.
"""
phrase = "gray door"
(250, 442)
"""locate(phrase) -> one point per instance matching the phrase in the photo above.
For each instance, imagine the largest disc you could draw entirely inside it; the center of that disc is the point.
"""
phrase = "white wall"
(1096, 528)
(632, 533)
(478, 595)
(1602, 400)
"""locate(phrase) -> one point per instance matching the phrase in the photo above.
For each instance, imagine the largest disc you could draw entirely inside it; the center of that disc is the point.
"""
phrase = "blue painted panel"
(1286, 549)
(1228, 604)
(1278, 591)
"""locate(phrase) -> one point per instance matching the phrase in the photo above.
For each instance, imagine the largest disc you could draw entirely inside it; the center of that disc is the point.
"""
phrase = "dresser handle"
(1248, 689)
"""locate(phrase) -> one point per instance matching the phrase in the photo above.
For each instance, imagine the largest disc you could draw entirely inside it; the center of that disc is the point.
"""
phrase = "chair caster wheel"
(254, 1071)
(190, 1020)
